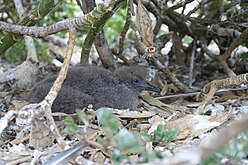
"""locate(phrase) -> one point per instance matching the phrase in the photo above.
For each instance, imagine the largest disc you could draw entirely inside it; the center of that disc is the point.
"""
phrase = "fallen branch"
(44, 107)
(211, 88)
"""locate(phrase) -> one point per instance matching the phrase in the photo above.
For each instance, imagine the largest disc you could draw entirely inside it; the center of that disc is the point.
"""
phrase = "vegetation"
(189, 46)
(123, 141)
(233, 153)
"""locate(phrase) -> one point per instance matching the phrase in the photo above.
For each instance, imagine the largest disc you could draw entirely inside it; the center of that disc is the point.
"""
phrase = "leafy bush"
(122, 140)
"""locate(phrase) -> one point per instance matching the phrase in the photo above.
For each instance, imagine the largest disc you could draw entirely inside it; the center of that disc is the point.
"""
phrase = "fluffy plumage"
(97, 86)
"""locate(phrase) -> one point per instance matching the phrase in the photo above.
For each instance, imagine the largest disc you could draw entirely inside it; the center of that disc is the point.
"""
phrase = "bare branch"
(76, 23)
(211, 88)
(44, 107)
(96, 35)
(34, 16)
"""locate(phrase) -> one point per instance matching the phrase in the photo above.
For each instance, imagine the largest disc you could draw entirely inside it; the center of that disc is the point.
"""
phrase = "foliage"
(71, 126)
(117, 157)
(16, 53)
(203, 24)
(82, 116)
(63, 11)
(150, 156)
(122, 140)
(244, 55)
(108, 121)
(235, 151)
(160, 134)
(66, 9)
(114, 27)
(127, 142)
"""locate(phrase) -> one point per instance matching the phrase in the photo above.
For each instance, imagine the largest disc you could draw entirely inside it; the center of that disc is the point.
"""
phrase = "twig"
(51, 96)
(86, 20)
(44, 107)
(19, 161)
(219, 140)
(192, 61)
(210, 89)
(170, 75)
(57, 56)
(157, 27)
(96, 145)
(223, 57)
(125, 28)
(56, 40)
(197, 93)
(236, 42)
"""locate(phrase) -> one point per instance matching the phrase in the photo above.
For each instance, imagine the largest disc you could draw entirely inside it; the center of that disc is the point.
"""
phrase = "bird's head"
(135, 78)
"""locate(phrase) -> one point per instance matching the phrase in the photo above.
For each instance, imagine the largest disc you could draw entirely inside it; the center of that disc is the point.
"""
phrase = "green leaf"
(127, 142)
(146, 138)
(117, 157)
(82, 116)
(235, 150)
(71, 126)
(17, 52)
(213, 6)
(100, 139)
(108, 121)
(160, 134)
(244, 55)
(151, 156)
(172, 134)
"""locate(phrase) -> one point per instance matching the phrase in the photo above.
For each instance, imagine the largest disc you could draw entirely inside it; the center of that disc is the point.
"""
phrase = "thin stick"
(197, 93)
(192, 61)
(51, 96)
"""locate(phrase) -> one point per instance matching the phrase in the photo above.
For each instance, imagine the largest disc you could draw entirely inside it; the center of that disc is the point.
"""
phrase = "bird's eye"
(136, 81)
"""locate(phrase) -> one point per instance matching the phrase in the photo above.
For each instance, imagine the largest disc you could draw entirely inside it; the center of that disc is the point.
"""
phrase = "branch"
(100, 41)
(96, 15)
(91, 36)
(170, 75)
(51, 96)
(236, 42)
(126, 27)
(44, 107)
(211, 88)
(34, 17)
(119, 53)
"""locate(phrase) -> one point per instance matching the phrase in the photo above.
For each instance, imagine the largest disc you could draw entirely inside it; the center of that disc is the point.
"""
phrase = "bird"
(85, 85)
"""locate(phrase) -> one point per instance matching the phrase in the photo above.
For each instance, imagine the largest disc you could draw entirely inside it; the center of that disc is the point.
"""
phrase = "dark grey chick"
(97, 86)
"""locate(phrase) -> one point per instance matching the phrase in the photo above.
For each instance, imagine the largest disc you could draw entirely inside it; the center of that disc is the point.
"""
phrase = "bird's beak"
(147, 87)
